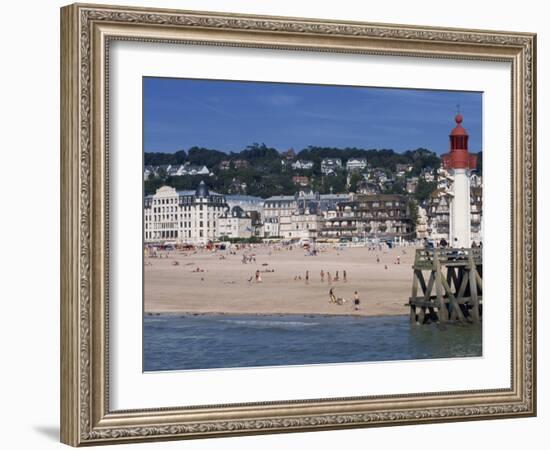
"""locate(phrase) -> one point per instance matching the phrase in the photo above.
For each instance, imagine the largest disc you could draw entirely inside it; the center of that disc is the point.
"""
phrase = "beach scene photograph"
(294, 224)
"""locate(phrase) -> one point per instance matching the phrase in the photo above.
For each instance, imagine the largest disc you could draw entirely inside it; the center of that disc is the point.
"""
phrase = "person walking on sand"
(258, 277)
(329, 278)
(336, 277)
(307, 276)
(356, 301)
(345, 276)
(322, 276)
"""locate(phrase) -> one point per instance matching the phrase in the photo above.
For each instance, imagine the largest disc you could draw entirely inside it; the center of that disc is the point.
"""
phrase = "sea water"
(205, 341)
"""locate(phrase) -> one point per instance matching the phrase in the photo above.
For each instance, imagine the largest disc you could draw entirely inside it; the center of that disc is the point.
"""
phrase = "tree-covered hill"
(267, 172)
(261, 155)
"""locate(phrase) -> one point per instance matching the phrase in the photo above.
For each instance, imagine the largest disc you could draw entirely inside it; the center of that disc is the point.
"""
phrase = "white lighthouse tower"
(459, 163)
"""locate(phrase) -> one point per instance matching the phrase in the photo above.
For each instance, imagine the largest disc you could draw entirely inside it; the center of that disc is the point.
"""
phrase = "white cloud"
(280, 99)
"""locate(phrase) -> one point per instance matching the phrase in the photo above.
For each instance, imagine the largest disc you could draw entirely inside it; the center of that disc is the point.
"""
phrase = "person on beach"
(329, 278)
(377, 259)
(356, 301)
(336, 277)
(345, 276)
(307, 276)
(322, 276)
(258, 277)
(332, 297)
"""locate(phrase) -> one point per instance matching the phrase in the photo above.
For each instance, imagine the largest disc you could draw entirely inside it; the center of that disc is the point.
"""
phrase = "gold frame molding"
(86, 31)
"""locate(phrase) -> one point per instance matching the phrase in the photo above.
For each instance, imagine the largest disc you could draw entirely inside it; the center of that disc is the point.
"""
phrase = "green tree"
(424, 189)
(413, 213)
(354, 180)
(151, 185)
(204, 156)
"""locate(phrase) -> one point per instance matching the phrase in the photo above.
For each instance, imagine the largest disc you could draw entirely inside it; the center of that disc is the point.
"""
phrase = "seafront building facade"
(248, 203)
(306, 222)
(368, 216)
(201, 216)
(183, 216)
(285, 205)
(235, 223)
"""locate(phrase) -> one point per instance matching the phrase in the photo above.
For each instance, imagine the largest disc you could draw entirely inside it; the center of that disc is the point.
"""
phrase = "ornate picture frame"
(86, 34)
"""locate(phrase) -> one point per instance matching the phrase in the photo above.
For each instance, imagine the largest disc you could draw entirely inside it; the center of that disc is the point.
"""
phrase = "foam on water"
(212, 341)
(269, 323)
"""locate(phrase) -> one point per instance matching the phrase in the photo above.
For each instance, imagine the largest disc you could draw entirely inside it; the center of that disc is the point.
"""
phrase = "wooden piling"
(454, 275)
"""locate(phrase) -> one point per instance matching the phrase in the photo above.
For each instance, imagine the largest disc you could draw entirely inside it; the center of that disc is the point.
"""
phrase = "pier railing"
(425, 259)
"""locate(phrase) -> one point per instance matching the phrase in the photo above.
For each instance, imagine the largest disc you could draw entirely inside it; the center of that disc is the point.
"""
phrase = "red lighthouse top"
(458, 157)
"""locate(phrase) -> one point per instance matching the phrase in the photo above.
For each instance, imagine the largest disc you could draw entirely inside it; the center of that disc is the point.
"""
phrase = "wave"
(269, 323)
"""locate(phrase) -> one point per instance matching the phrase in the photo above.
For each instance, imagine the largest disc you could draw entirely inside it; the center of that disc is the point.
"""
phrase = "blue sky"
(229, 115)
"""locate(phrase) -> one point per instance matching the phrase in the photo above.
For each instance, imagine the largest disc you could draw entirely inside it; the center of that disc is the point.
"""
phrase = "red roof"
(459, 157)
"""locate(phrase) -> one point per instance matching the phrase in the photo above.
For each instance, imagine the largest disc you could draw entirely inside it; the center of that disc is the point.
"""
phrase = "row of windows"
(161, 209)
(161, 217)
(175, 224)
(161, 234)
(280, 205)
(169, 234)
(156, 226)
(165, 201)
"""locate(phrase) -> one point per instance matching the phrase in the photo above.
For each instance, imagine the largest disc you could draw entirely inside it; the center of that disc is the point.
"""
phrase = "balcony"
(339, 227)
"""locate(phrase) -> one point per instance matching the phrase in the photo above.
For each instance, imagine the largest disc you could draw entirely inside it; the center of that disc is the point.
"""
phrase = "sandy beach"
(173, 284)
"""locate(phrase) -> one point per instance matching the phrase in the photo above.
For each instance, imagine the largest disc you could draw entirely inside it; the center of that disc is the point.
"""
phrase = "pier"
(450, 282)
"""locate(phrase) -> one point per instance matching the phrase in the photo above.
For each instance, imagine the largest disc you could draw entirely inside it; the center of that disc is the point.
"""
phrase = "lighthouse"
(459, 162)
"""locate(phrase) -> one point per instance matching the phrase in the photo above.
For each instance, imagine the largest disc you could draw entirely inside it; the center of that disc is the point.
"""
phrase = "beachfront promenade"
(205, 281)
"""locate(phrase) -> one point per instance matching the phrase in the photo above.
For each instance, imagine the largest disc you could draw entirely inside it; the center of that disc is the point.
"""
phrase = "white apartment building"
(356, 164)
(235, 223)
(182, 216)
(302, 165)
(304, 222)
(270, 227)
(329, 166)
(279, 206)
